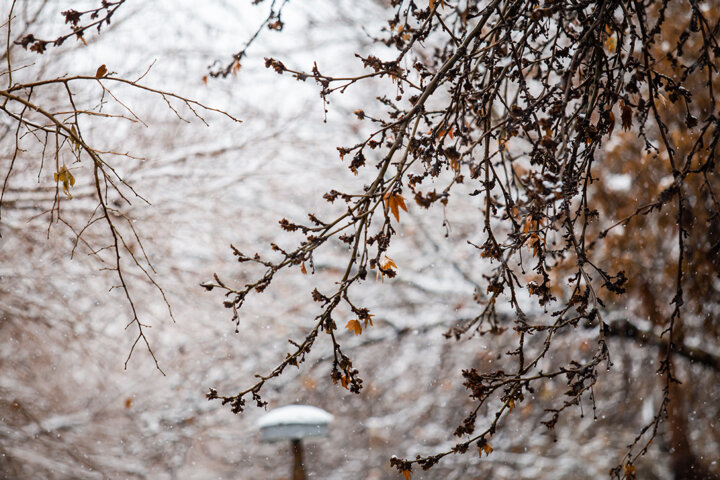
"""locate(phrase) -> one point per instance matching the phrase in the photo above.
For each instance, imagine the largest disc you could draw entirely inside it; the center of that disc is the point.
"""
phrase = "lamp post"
(294, 423)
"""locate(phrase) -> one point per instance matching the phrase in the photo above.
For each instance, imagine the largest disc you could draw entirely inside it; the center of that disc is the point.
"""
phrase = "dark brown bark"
(626, 329)
(685, 465)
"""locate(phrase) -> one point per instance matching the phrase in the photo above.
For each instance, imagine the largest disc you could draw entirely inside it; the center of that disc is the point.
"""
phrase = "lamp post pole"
(298, 465)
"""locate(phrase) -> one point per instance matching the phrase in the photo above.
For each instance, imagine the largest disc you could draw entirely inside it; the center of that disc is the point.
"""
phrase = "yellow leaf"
(73, 138)
(354, 326)
(101, 71)
(67, 179)
(611, 43)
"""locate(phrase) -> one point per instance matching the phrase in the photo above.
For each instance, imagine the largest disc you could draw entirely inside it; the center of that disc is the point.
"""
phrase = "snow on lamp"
(294, 423)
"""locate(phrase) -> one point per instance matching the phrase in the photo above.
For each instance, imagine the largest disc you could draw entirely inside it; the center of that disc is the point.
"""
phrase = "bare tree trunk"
(685, 464)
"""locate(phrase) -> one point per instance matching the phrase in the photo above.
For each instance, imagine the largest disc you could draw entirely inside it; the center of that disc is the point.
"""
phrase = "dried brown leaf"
(101, 71)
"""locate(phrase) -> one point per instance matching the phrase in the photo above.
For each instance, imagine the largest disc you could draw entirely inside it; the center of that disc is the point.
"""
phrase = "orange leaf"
(204, 79)
(485, 448)
(395, 202)
(303, 269)
(354, 326)
(387, 262)
(128, 402)
(612, 122)
(407, 474)
(442, 132)
(101, 71)
(369, 320)
(235, 67)
(502, 142)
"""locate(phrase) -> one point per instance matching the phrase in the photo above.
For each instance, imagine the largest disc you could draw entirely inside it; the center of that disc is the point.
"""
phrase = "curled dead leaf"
(611, 125)
(63, 175)
(101, 71)
(625, 115)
